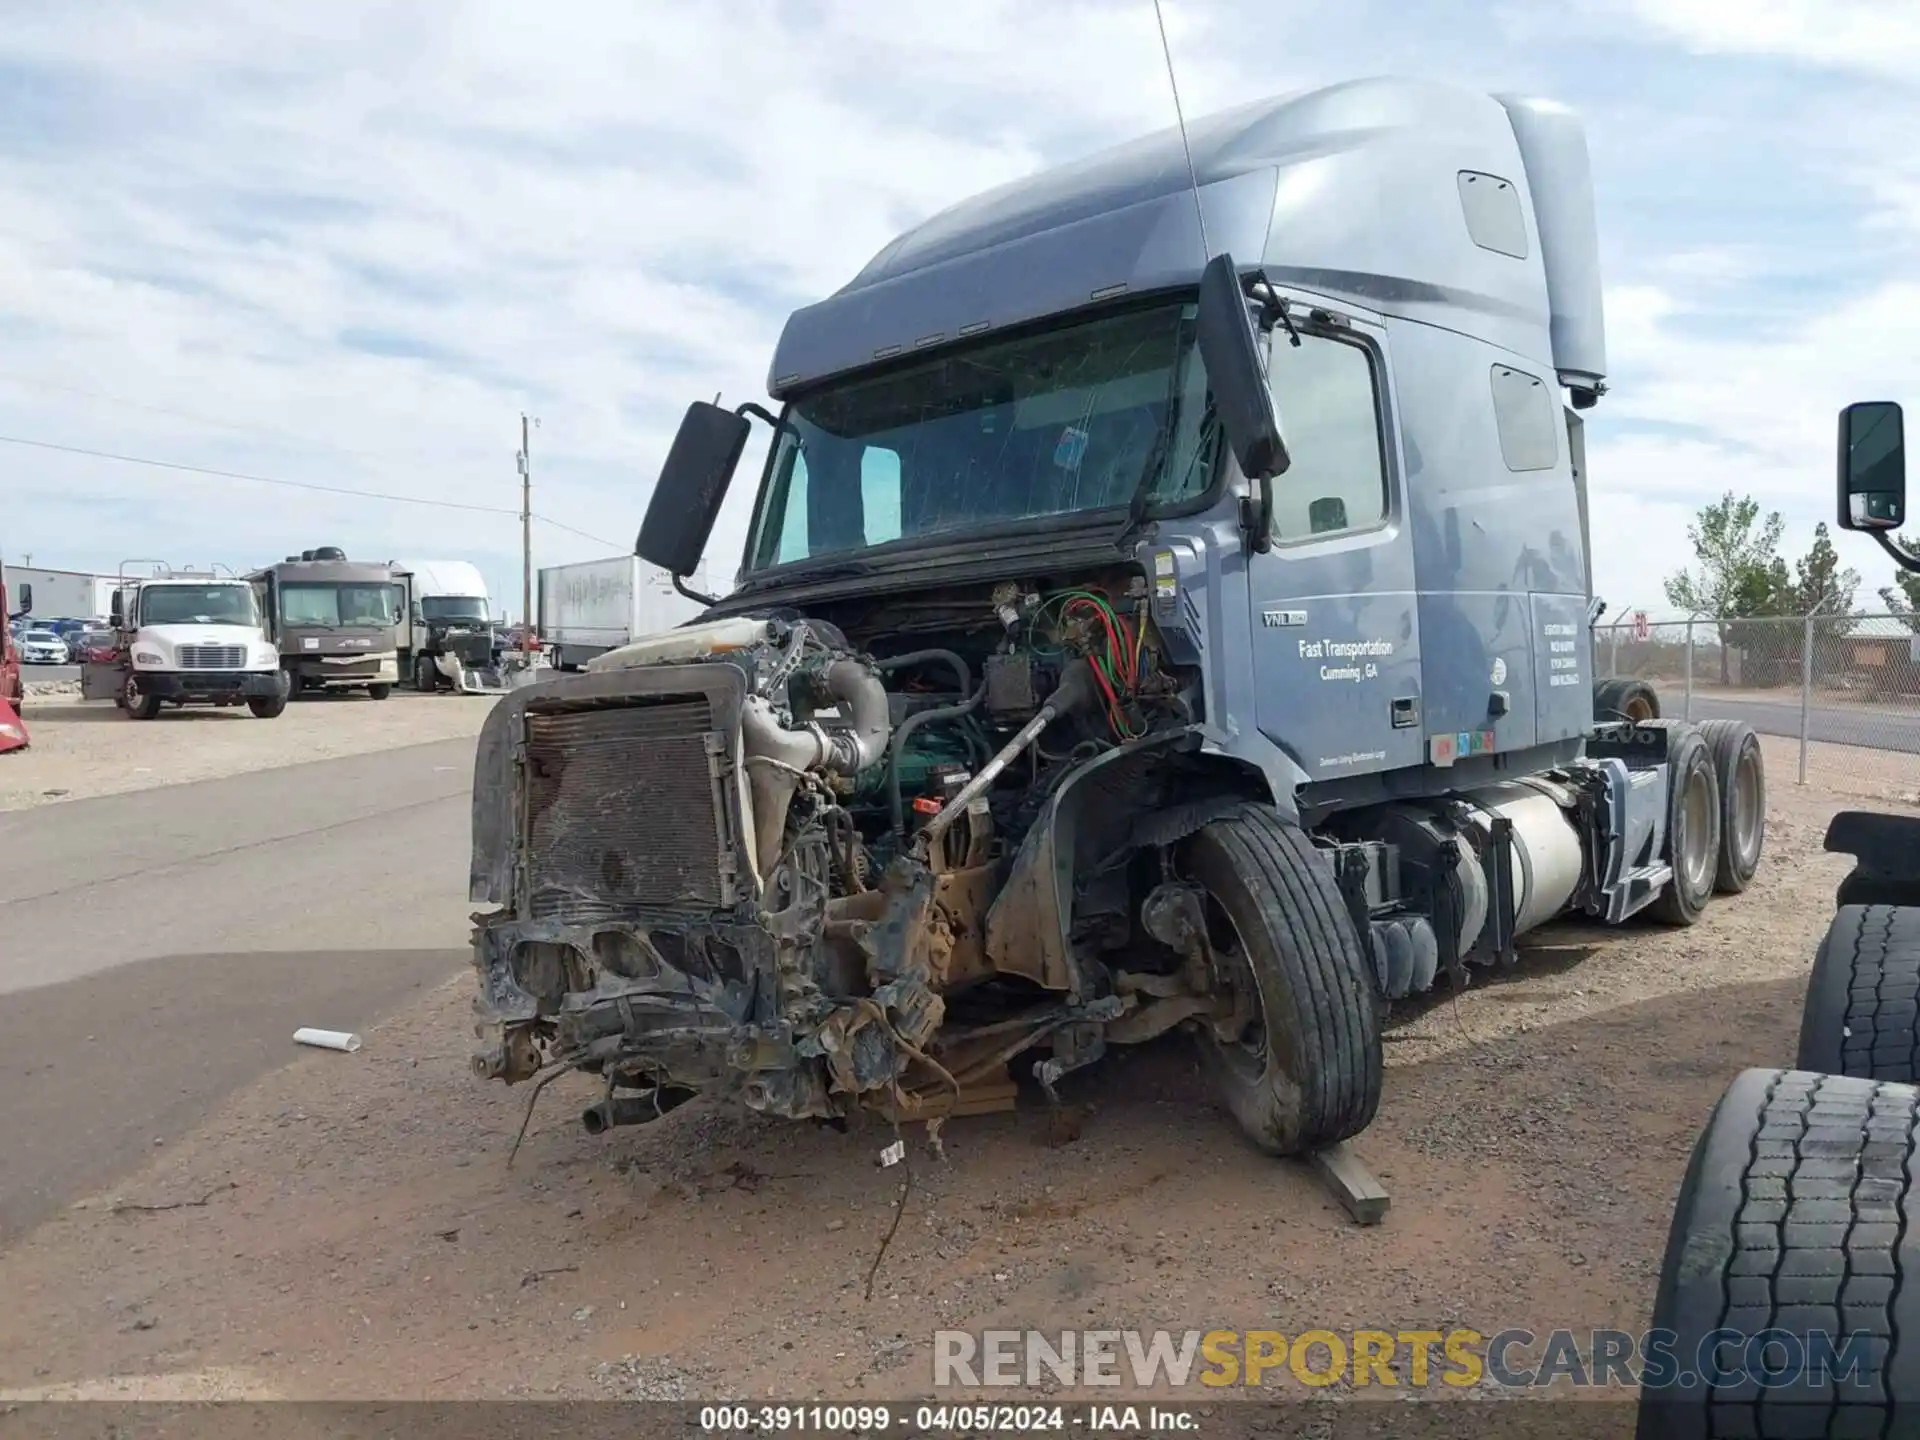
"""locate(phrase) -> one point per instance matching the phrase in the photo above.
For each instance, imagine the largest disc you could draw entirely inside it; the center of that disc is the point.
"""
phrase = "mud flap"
(13, 729)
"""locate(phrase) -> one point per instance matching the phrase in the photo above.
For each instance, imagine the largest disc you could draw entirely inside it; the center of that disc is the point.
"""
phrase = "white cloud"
(599, 211)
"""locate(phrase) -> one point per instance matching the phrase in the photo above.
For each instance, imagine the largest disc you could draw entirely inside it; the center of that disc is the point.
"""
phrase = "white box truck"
(594, 606)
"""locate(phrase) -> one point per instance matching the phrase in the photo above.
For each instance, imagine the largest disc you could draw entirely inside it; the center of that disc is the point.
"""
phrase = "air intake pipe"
(777, 755)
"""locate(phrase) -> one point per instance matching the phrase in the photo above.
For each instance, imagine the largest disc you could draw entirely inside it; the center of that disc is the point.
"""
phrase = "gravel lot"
(86, 748)
(347, 1228)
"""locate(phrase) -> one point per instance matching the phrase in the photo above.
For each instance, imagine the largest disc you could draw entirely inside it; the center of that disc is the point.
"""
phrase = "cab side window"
(1329, 402)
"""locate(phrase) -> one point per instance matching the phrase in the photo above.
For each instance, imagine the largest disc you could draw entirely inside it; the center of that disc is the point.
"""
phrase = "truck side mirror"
(1873, 466)
(116, 612)
(413, 613)
(26, 600)
(1230, 348)
(693, 482)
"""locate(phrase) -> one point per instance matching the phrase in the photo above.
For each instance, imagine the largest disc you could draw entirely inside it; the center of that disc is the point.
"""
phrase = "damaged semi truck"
(1067, 698)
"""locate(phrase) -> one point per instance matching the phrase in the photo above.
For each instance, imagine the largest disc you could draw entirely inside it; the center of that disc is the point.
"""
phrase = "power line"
(264, 430)
(294, 484)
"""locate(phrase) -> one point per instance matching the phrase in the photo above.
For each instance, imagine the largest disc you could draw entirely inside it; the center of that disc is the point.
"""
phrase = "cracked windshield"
(1074, 419)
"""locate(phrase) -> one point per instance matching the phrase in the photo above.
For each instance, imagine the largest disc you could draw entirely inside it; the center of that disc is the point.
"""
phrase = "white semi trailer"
(589, 608)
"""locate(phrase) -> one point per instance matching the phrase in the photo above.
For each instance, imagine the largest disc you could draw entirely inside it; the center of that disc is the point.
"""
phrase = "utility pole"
(526, 538)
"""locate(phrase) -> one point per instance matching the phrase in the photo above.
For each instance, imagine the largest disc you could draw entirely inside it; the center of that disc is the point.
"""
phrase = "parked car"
(95, 645)
(42, 647)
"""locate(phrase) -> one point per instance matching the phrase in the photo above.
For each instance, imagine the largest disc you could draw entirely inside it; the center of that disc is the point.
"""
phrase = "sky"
(351, 245)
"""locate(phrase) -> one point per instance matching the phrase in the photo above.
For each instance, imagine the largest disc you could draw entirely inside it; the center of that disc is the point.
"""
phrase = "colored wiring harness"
(1115, 650)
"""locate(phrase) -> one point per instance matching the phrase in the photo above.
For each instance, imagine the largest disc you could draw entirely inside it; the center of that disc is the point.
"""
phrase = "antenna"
(1193, 177)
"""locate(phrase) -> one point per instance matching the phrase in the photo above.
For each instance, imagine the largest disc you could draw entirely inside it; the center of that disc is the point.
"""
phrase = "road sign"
(1641, 629)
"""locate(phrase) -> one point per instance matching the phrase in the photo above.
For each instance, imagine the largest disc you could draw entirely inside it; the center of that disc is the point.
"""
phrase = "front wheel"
(379, 692)
(426, 677)
(1304, 1069)
(137, 705)
(266, 707)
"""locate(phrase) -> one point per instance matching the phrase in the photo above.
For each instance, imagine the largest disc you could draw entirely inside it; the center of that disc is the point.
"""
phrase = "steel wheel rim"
(1248, 1054)
(1696, 849)
(1746, 802)
(130, 692)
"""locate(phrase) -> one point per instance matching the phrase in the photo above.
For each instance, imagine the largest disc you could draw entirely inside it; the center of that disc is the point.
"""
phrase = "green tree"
(1903, 596)
(1820, 584)
(1740, 573)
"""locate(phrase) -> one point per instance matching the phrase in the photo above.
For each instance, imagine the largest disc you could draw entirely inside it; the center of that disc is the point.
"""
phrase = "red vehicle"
(13, 732)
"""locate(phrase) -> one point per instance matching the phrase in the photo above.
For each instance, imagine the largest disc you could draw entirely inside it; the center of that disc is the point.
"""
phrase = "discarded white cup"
(327, 1039)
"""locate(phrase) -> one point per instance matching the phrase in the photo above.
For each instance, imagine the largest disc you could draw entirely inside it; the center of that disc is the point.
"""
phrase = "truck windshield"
(198, 605)
(455, 607)
(336, 603)
(1072, 419)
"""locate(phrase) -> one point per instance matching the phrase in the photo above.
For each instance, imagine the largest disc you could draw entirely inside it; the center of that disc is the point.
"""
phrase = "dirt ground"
(83, 748)
(349, 1227)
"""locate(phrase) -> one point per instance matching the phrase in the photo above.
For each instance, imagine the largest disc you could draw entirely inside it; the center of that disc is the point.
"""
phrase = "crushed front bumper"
(636, 938)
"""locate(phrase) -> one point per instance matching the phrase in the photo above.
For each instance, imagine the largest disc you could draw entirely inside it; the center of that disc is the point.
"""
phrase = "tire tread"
(1810, 1234)
(1328, 979)
(1860, 1017)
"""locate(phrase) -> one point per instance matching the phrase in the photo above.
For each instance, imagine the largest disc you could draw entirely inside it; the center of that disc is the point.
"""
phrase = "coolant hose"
(920, 657)
(899, 744)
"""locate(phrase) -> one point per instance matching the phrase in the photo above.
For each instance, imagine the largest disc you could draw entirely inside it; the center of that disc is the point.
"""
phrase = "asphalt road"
(1870, 728)
(159, 949)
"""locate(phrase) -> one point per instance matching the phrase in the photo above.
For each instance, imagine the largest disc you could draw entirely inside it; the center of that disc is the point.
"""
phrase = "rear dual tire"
(1693, 826)
(1716, 814)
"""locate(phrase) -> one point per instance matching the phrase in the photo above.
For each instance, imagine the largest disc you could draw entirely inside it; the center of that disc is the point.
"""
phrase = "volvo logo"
(1282, 619)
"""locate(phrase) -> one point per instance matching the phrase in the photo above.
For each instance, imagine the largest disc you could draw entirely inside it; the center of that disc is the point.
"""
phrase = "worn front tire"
(1311, 1074)
(137, 705)
(266, 707)
(379, 692)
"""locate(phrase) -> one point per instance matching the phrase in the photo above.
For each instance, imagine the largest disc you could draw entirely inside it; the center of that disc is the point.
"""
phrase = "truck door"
(1336, 641)
(100, 680)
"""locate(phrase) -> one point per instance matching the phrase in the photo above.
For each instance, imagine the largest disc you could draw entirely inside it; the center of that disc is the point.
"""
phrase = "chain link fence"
(1839, 694)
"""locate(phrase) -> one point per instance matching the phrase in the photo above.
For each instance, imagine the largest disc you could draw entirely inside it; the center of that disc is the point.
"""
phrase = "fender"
(1077, 835)
(13, 729)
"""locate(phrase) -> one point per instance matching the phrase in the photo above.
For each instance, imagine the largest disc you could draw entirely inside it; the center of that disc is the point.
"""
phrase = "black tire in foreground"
(266, 707)
(1789, 1299)
(379, 692)
(1742, 773)
(1633, 700)
(1693, 826)
(1307, 1072)
(1862, 1011)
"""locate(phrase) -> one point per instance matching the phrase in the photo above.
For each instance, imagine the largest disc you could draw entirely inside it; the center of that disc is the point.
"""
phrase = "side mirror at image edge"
(1872, 470)
(1242, 398)
(693, 483)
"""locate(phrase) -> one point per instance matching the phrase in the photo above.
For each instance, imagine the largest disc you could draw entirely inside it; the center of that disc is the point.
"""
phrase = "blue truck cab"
(1167, 605)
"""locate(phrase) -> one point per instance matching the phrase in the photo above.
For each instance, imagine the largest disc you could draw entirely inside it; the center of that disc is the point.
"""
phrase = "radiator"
(623, 814)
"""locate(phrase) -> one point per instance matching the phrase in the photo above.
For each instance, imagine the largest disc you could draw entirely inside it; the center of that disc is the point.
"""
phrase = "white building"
(64, 594)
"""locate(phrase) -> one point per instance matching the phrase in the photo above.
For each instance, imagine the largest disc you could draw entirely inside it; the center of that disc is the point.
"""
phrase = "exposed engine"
(757, 849)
